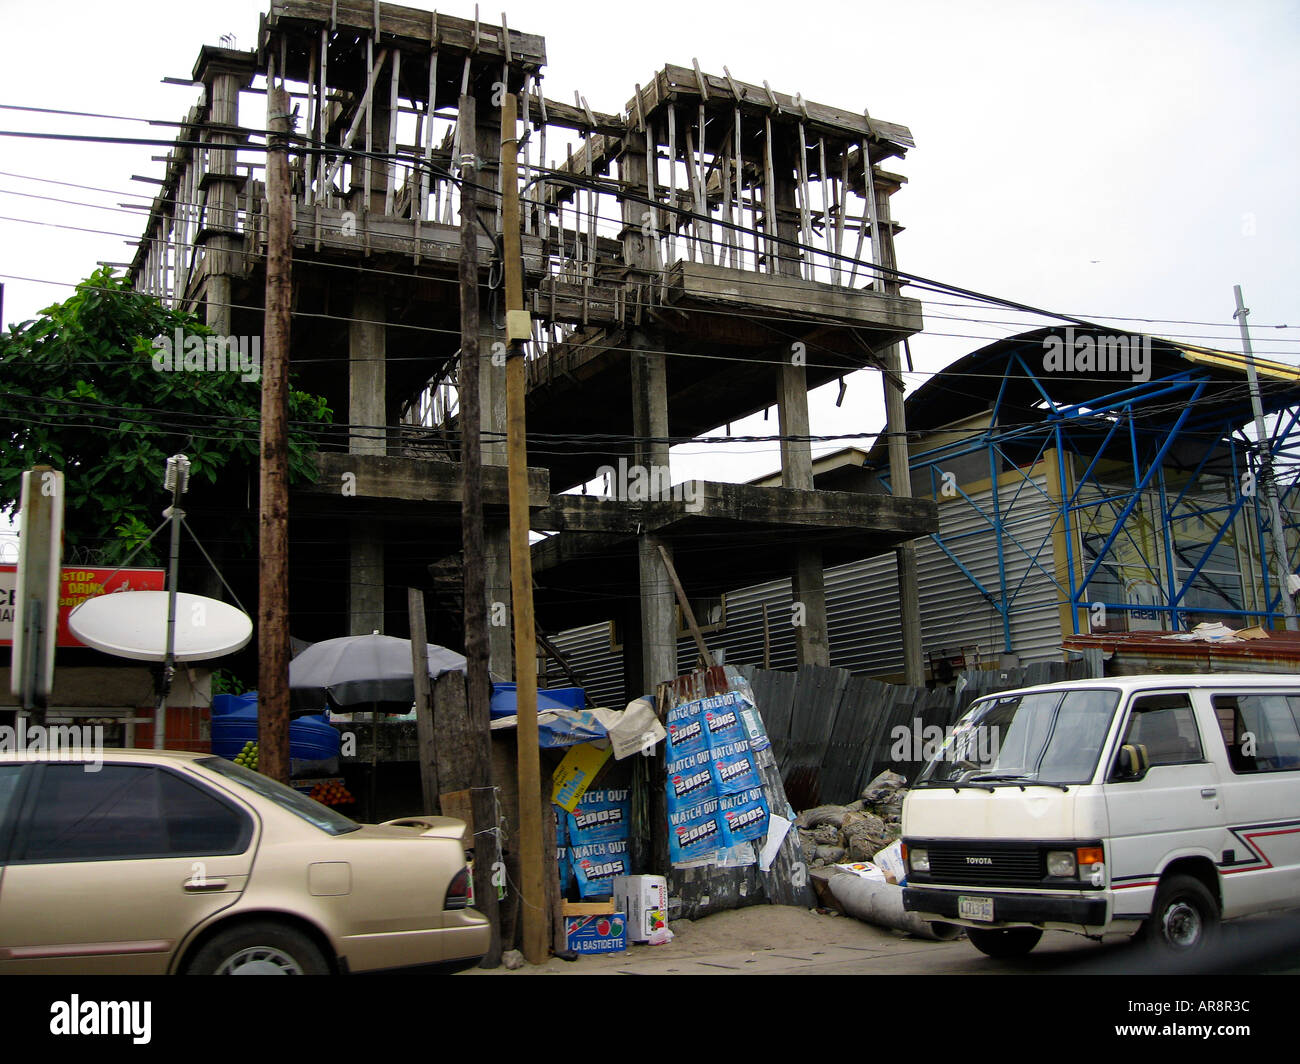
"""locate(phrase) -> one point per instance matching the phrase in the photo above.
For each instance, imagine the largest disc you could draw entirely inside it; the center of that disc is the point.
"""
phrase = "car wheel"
(259, 949)
(1004, 942)
(1184, 918)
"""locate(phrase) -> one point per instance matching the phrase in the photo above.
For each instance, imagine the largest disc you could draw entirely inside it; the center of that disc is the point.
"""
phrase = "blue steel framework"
(1187, 408)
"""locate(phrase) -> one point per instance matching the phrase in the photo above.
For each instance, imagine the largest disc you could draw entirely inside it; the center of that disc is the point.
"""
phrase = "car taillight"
(460, 892)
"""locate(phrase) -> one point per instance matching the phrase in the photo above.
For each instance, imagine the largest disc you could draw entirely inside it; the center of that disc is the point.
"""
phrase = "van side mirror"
(1132, 763)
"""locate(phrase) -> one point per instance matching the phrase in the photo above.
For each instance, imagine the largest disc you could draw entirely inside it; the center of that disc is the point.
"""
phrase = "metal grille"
(1011, 867)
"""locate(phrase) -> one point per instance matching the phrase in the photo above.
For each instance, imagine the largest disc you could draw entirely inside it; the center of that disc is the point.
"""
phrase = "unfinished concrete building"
(712, 249)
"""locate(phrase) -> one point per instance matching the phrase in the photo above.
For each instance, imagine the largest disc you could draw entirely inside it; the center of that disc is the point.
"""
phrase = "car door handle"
(204, 886)
(1208, 792)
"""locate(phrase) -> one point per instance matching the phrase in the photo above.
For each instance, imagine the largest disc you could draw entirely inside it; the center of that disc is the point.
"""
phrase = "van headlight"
(1061, 863)
(919, 860)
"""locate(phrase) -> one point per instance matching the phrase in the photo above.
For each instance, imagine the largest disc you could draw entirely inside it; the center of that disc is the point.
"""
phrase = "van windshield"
(1048, 737)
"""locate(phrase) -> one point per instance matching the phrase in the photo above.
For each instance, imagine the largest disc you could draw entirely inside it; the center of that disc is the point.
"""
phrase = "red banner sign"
(75, 586)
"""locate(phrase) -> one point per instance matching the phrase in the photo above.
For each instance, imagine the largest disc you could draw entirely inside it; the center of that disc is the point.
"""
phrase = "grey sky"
(1109, 158)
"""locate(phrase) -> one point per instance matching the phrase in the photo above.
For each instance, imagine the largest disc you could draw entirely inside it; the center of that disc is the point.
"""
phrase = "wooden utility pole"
(477, 678)
(536, 937)
(273, 522)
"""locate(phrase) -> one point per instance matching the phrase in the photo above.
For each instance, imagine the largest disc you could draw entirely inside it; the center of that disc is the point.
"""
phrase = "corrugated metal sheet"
(832, 732)
(587, 652)
(1138, 653)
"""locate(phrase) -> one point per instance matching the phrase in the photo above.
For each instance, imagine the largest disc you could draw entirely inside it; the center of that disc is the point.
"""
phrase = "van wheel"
(1184, 918)
(259, 949)
(1005, 942)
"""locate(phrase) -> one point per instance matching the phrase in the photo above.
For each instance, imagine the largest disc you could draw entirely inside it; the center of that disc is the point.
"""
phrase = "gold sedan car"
(165, 862)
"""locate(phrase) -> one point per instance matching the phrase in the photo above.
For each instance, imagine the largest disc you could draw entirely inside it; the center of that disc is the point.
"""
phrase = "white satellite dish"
(133, 624)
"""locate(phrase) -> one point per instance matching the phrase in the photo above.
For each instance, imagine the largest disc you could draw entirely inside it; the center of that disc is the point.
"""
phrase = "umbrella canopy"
(357, 669)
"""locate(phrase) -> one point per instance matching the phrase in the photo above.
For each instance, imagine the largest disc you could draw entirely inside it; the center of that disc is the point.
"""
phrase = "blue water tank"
(234, 723)
(504, 699)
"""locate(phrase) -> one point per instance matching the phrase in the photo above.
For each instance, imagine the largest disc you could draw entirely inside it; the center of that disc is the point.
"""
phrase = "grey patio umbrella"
(357, 669)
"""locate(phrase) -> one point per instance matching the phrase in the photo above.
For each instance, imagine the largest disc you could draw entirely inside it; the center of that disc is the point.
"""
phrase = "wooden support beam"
(415, 28)
(687, 612)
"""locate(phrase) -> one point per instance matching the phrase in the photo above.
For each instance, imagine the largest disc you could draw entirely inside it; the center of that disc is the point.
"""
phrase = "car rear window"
(320, 816)
(124, 812)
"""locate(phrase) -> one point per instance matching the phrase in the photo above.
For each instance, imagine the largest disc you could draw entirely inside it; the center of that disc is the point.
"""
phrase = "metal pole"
(1266, 481)
(178, 471)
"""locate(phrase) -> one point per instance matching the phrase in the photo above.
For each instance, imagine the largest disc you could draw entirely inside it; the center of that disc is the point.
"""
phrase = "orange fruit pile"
(331, 794)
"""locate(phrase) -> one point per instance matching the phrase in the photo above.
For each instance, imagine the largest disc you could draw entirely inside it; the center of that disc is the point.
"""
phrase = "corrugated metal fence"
(832, 731)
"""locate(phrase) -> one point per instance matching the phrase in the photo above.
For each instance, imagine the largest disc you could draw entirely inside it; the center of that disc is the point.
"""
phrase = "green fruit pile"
(247, 756)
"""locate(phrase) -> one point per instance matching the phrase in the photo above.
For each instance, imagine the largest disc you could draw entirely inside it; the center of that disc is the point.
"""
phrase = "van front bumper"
(1009, 908)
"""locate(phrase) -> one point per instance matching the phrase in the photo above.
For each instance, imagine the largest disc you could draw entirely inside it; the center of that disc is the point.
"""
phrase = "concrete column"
(365, 579)
(367, 382)
(658, 616)
(900, 473)
(658, 601)
(224, 72)
(808, 578)
(367, 374)
(501, 651)
(492, 405)
(900, 479)
(792, 416)
(496, 534)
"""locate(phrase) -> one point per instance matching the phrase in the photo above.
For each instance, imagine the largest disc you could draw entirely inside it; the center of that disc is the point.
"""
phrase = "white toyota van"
(1157, 805)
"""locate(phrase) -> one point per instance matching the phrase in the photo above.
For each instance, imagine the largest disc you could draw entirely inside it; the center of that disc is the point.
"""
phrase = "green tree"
(80, 391)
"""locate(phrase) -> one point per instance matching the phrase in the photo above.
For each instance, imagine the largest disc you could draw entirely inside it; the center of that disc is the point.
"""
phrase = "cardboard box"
(890, 861)
(588, 908)
(866, 870)
(596, 934)
(645, 900)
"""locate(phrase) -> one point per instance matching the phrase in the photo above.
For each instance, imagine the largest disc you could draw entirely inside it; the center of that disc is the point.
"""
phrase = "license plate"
(975, 908)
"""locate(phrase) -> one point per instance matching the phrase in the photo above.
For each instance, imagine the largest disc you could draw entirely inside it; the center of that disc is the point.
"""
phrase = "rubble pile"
(830, 834)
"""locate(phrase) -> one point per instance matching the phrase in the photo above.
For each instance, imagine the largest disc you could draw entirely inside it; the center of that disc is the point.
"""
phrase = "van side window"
(1260, 731)
(1166, 727)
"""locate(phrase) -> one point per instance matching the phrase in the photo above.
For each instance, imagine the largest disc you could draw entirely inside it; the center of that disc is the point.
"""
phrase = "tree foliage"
(79, 391)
